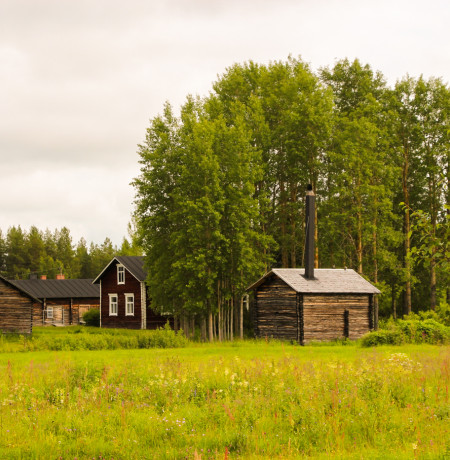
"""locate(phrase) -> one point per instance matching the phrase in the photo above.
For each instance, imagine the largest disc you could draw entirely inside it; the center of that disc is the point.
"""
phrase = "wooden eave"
(21, 290)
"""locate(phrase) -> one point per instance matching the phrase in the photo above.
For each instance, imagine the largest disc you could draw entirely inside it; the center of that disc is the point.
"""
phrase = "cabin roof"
(58, 289)
(326, 281)
(20, 289)
(134, 264)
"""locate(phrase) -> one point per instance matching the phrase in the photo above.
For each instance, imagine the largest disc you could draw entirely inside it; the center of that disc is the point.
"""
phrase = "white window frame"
(112, 304)
(120, 274)
(49, 312)
(129, 312)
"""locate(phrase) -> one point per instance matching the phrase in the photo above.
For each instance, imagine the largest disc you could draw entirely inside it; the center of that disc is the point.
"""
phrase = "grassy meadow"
(225, 401)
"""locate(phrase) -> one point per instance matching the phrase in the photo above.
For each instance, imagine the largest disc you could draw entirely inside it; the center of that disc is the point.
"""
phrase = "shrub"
(440, 315)
(92, 317)
(428, 331)
(408, 331)
(382, 337)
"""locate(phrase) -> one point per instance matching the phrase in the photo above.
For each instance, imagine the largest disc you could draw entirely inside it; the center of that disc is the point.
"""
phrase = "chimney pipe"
(310, 229)
(43, 277)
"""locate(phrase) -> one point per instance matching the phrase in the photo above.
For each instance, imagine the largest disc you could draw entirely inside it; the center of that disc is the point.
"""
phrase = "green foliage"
(408, 331)
(440, 315)
(93, 338)
(427, 331)
(260, 137)
(92, 317)
(382, 337)
(432, 243)
(197, 212)
(48, 253)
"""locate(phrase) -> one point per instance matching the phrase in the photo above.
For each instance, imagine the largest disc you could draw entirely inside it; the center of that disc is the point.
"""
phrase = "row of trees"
(220, 197)
(49, 253)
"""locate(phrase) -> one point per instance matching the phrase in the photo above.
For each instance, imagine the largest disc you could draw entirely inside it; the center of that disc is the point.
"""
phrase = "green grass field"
(235, 400)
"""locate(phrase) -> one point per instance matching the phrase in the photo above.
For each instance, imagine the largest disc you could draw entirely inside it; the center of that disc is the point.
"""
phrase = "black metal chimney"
(310, 229)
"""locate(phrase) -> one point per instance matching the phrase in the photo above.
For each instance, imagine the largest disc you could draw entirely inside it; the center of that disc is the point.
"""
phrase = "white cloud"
(93, 203)
(80, 80)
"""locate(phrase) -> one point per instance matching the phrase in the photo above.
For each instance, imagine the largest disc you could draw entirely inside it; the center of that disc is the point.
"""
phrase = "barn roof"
(20, 289)
(326, 281)
(58, 289)
(134, 264)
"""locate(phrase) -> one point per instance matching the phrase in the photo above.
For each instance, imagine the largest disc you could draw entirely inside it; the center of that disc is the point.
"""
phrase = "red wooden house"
(123, 296)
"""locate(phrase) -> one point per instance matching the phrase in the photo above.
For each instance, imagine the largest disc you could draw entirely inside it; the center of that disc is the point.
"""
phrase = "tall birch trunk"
(210, 327)
(406, 231)
(220, 323)
(203, 329)
(375, 264)
(241, 319)
(283, 207)
(433, 216)
(231, 318)
(192, 326)
(394, 302)
(294, 219)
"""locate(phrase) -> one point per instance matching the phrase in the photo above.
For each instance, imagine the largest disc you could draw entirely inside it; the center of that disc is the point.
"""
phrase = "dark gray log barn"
(337, 303)
(16, 308)
(313, 304)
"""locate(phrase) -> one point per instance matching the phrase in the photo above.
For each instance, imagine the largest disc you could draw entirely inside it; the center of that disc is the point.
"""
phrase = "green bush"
(440, 315)
(408, 331)
(382, 337)
(427, 331)
(92, 317)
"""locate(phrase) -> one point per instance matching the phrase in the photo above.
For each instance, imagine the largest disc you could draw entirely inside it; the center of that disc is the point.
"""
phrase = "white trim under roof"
(108, 265)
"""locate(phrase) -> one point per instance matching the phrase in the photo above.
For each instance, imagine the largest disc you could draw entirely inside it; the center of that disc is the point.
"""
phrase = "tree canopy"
(48, 253)
(220, 197)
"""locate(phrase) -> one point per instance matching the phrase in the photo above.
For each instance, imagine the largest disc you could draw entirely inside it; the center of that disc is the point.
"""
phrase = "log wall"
(324, 316)
(15, 310)
(66, 312)
(276, 311)
(280, 312)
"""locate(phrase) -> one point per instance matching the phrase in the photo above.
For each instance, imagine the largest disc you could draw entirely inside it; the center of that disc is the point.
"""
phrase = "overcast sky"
(80, 80)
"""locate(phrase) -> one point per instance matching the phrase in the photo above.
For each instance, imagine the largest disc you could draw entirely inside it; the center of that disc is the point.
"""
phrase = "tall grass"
(91, 338)
(253, 400)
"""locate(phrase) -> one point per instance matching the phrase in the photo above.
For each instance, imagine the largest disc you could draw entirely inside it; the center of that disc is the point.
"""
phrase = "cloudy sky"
(80, 80)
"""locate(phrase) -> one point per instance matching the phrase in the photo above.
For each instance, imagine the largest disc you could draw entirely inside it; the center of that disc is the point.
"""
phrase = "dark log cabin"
(123, 296)
(63, 301)
(337, 303)
(311, 304)
(16, 308)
